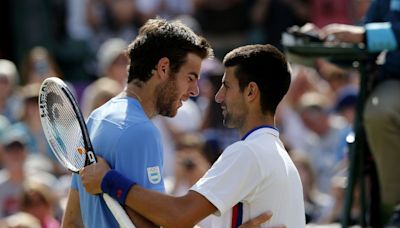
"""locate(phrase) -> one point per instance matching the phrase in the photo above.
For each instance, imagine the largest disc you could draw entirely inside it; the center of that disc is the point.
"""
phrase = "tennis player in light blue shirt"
(121, 133)
(165, 61)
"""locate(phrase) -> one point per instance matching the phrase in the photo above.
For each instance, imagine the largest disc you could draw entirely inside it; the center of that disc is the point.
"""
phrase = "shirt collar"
(269, 128)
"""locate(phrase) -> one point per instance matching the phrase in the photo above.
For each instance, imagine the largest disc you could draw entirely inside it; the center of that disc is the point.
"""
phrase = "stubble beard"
(231, 121)
(167, 95)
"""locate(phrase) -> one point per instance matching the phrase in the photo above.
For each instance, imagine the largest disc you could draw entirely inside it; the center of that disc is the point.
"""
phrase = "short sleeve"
(139, 156)
(230, 180)
(74, 181)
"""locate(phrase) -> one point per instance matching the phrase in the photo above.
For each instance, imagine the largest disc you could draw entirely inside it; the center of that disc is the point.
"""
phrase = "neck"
(256, 121)
(143, 94)
(130, 91)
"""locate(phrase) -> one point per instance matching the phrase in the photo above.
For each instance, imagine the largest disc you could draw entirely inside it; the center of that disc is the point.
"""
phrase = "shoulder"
(121, 112)
(142, 128)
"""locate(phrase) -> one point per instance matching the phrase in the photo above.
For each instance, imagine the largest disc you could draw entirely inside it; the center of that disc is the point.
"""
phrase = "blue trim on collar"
(256, 128)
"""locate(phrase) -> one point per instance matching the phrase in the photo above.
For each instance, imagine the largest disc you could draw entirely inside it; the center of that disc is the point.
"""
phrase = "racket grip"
(119, 213)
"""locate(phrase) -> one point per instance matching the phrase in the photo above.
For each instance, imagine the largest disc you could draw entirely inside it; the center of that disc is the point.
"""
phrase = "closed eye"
(225, 85)
(192, 78)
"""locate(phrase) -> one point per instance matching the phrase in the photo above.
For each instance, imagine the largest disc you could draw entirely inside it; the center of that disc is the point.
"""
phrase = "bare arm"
(138, 219)
(72, 215)
(343, 33)
(161, 209)
(169, 211)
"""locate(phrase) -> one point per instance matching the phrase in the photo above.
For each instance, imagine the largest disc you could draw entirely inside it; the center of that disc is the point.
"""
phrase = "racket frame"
(116, 209)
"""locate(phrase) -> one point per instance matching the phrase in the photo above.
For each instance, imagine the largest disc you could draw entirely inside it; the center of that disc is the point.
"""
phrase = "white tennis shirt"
(258, 172)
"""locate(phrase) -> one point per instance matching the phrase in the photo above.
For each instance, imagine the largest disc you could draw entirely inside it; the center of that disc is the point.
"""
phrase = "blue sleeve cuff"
(380, 37)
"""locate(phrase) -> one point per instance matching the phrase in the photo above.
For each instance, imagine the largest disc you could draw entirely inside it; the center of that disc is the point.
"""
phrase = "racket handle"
(119, 213)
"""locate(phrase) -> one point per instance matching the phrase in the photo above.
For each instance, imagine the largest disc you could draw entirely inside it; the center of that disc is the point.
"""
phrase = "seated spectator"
(9, 102)
(316, 203)
(112, 65)
(12, 176)
(38, 65)
(324, 137)
(38, 200)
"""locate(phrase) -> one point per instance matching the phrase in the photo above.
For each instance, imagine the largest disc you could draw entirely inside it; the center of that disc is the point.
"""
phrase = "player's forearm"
(138, 219)
(163, 210)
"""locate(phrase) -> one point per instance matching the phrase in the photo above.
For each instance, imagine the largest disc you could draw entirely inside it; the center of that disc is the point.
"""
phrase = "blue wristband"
(116, 185)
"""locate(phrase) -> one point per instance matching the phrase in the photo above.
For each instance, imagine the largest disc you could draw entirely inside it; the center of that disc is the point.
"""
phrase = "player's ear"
(162, 68)
(251, 91)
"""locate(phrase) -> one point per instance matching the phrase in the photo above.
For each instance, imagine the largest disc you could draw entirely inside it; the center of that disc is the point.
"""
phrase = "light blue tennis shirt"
(122, 134)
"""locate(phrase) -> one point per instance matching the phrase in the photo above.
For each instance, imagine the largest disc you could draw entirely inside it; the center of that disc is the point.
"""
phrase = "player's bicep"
(72, 215)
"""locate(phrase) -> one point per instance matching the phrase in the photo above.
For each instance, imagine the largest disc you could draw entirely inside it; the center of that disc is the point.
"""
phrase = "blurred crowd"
(83, 42)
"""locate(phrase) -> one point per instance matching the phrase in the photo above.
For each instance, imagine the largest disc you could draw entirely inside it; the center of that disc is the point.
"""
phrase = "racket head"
(64, 126)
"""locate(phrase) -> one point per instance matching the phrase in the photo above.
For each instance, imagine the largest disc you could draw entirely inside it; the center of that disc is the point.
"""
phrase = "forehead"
(192, 64)
(229, 75)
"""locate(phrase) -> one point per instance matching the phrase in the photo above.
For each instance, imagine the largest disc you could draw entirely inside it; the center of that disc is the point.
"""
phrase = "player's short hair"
(267, 67)
(159, 38)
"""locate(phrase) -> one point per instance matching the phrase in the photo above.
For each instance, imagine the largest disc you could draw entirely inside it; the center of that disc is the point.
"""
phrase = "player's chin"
(174, 110)
(171, 112)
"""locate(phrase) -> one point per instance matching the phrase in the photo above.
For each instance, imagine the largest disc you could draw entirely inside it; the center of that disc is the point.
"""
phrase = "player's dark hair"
(159, 38)
(267, 67)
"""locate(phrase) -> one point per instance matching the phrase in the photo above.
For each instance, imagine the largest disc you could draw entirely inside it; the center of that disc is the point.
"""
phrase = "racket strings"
(63, 130)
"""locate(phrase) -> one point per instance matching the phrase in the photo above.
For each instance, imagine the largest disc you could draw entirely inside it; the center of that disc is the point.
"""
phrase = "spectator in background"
(39, 200)
(4, 125)
(38, 65)
(101, 91)
(10, 103)
(20, 220)
(167, 9)
(187, 120)
(322, 142)
(344, 84)
(29, 120)
(29, 123)
(112, 68)
(191, 163)
(345, 106)
(108, 19)
(337, 77)
(316, 203)
(12, 176)
(288, 117)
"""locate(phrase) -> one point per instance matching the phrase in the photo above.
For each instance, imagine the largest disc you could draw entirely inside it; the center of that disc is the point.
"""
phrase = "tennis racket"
(68, 137)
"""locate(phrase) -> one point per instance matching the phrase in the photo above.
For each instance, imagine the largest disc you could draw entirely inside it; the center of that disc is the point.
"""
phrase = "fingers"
(261, 218)
(257, 221)
(280, 226)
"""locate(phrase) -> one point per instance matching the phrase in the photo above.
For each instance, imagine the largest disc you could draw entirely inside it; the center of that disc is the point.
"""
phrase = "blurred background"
(83, 42)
